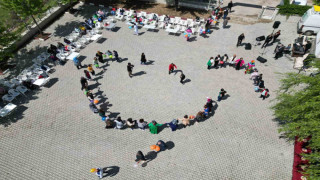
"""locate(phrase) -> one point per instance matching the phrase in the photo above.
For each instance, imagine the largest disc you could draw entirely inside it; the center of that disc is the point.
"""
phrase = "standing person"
(119, 123)
(207, 26)
(275, 36)
(153, 127)
(210, 62)
(172, 67)
(307, 46)
(225, 13)
(136, 29)
(142, 124)
(266, 42)
(116, 56)
(131, 123)
(264, 94)
(221, 94)
(143, 59)
(77, 62)
(216, 61)
(239, 63)
(95, 62)
(240, 39)
(90, 69)
(140, 158)
(225, 23)
(84, 83)
(99, 56)
(230, 5)
(129, 69)
(182, 77)
(87, 74)
(185, 121)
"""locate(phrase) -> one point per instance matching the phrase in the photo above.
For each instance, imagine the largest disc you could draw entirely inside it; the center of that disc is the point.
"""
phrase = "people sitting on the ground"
(109, 123)
(264, 93)
(307, 46)
(142, 124)
(162, 145)
(174, 124)
(119, 123)
(200, 116)
(121, 11)
(250, 67)
(131, 123)
(93, 108)
(279, 50)
(185, 121)
(232, 60)
(261, 84)
(153, 127)
(254, 76)
(287, 49)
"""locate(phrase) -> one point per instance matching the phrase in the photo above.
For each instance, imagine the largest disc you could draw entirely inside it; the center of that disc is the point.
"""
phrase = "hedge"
(292, 9)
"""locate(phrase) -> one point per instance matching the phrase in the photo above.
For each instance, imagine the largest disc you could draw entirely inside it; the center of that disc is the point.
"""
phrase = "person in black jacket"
(230, 5)
(267, 41)
(240, 39)
(182, 77)
(143, 59)
(129, 69)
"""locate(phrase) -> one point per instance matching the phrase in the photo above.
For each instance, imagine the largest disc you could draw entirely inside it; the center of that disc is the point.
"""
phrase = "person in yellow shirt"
(90, 69)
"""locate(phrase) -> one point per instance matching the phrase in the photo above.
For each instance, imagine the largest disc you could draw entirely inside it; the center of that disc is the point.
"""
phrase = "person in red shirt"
(171, 67)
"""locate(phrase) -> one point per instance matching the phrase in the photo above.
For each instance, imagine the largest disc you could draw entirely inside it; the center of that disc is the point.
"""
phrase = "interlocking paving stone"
(58, 137)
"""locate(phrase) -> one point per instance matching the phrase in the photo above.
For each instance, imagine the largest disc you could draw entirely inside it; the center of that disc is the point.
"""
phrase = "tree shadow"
(23, 59)
(87, 11)
(149, 156)
(185, 10)
(20, 101)
(138, 4)
(110, 171)
(66, 29)
(139, 73)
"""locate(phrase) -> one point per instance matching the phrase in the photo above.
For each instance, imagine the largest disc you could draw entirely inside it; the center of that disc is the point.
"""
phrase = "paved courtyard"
(54, 135)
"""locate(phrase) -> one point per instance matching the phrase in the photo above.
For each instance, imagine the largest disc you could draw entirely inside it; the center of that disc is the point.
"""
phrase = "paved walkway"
(54, 135)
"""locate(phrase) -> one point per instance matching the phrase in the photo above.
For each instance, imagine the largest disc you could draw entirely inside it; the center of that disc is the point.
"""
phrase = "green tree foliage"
(317, 2)
(298, 111)
(6, 38)
(25, 8)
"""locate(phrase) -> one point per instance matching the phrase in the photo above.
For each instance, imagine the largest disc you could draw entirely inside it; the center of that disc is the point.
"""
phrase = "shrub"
(292, 9)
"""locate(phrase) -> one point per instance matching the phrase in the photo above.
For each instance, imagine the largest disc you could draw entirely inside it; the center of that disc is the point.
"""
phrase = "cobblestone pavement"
(54, 135)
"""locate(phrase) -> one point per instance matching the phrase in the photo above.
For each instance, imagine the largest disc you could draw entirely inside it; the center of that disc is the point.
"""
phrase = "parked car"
(309, 23)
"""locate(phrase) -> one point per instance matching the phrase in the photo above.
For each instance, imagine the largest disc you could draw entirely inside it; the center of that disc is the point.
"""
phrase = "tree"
(298, 111)
(6, 38)
(25, 8)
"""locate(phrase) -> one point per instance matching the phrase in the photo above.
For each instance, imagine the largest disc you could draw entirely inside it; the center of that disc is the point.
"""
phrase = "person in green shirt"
(153, 127)
(209, 63)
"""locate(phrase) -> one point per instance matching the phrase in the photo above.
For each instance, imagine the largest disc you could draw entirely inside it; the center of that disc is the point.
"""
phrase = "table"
(42, 81)
(95, 37)
(7, 109)
(110, 26)
(72, 55)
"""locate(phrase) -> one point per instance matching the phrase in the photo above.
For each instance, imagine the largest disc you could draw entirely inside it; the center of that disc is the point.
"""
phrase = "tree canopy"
(5, 39)
(298, 111)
